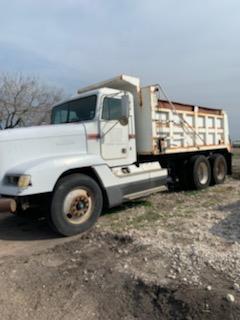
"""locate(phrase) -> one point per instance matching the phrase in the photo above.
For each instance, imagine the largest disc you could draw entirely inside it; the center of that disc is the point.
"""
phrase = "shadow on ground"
(31, 228)
(229, 228)
(24, 229)
(127, 205)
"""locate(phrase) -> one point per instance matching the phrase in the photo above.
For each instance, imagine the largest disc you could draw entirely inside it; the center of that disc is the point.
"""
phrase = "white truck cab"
(84, 160)
(112, 142)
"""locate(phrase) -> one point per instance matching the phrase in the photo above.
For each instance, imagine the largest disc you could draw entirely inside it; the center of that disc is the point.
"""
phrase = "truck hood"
(25, 144)
(40, 132)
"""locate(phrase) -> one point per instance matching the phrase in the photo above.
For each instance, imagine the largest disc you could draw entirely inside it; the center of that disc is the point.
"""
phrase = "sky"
(191, 48)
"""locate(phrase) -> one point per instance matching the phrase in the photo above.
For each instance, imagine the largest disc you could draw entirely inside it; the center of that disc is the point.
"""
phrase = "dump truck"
(112, 142)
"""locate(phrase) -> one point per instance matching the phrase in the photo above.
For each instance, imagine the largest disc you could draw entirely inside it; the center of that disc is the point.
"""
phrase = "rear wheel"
(200, 171)
(219, 169)
(76, 204)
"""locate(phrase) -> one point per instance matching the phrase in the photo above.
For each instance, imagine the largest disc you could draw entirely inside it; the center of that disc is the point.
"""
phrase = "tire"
(76, 204)
(200, 172)
(219, 169)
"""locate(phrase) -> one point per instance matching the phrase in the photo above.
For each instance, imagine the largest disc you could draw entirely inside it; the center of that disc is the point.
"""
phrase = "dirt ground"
(168, 256)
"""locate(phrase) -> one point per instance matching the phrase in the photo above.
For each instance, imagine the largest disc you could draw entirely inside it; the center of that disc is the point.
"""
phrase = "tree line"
(26, 101)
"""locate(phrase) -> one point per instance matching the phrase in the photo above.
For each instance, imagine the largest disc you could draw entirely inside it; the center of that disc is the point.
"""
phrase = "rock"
(236, 286)
(209, 288)
(207, 307)
(207, 215)
(230, 297)
(179, 270)
(200, 237)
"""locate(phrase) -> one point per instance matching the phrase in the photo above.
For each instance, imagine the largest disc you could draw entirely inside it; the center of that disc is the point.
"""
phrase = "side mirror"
(125, 103)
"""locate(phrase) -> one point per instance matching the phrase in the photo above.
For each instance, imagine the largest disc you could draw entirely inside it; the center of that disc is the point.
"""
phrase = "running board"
(144, 193)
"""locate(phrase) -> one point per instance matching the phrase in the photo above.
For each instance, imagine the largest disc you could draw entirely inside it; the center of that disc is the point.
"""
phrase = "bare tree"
(25, 101)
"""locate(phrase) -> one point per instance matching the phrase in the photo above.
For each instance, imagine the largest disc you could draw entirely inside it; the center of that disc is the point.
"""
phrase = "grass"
(147, 217)
(128, 205)
(152, 211)
(195, 192)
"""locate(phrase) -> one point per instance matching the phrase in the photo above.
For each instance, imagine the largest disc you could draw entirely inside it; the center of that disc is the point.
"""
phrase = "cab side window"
(111, 109)
(61, 114)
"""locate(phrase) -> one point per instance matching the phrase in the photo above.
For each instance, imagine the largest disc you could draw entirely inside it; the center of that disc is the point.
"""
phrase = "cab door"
(114, 130)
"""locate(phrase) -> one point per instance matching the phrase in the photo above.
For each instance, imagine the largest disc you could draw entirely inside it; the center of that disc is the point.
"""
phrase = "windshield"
(82, 109)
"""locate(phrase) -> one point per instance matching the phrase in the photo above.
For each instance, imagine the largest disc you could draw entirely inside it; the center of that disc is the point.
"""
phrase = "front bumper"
(8, 205)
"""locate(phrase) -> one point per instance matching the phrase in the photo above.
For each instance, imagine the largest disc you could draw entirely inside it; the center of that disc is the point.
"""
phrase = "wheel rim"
(78, 205)
(203, 173)
(220, 170)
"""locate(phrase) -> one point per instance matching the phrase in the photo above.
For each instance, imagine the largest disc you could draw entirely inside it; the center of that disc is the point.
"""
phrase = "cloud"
(191, 47)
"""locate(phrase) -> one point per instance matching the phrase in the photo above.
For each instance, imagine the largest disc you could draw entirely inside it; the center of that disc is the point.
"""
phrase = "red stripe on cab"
(93, 136)
(131, 136)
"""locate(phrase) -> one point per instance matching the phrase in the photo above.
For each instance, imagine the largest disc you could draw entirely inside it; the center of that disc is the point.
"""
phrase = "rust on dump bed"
(188, 107)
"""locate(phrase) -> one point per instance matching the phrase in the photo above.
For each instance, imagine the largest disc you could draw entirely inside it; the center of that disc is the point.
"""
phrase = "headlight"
(20, 181)
(24, 181)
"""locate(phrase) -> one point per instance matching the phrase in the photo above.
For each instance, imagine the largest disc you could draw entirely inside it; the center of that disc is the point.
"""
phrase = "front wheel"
(76, 204)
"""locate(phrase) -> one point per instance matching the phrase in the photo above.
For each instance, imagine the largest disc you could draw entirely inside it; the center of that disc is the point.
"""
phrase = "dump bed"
(163, 127)
(172, 127)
